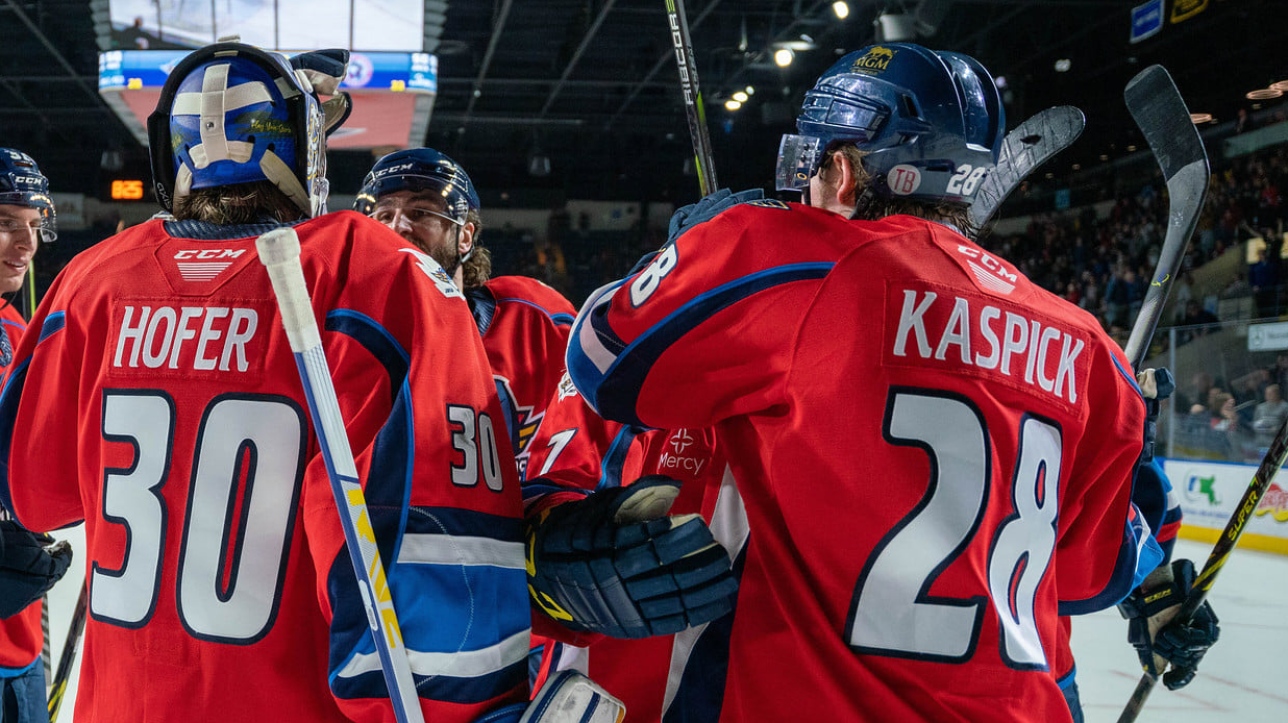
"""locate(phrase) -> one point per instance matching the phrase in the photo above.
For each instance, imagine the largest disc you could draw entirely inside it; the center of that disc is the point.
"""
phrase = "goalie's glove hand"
(711, 205)
(613, 563)
(1160, 639)
(30, 564)
(322, 71)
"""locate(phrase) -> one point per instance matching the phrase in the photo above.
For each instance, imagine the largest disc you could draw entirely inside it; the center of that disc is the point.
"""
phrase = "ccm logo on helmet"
(209, 253)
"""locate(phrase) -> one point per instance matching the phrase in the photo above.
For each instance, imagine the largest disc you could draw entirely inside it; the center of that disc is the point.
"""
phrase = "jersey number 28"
(893, 612)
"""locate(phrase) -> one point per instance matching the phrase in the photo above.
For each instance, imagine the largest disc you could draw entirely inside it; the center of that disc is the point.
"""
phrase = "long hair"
(477, 269)
(239, 203)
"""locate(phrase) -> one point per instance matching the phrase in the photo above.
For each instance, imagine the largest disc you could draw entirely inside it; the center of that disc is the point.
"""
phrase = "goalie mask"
(22, 184)
(230, 114)
(930, 122)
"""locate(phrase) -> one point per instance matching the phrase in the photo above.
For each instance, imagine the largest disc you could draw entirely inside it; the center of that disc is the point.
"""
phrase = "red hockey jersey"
(21, 637)
(524, 325)
(932, 451)
(161, 404)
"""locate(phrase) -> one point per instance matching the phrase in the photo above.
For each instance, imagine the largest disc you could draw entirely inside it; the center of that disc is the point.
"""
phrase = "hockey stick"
(279, 251)
(1160, 112)
(64, 673)
(1028, 146)
(1225, 544)
(703, 157)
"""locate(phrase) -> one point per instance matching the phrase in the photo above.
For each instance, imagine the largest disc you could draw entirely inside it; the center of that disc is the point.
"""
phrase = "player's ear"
(465, 239)
(847, 180)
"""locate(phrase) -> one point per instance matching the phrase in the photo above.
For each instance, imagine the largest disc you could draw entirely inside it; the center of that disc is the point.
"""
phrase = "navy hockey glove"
(686, 217)
(1157, 637)
(614, 564)
(30, 564)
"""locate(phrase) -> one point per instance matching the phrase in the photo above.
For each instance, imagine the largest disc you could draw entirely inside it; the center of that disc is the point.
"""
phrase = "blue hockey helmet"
(231, 113)
(22, 184)
(930, 122)
(417, 170)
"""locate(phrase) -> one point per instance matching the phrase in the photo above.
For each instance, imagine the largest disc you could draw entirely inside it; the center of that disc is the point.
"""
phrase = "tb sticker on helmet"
(903, 179)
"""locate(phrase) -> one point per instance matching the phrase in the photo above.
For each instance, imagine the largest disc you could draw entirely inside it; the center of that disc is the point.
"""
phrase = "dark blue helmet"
(22, 184)
(419, 169)
(231, 113)
(931, 123)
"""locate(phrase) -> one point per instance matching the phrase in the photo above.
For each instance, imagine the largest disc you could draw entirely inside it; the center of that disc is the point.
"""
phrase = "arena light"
(1263, 93)
(1197, 118)
(1281, 85)
(783, 57)
(740, 96)
(842, 9)
(750, 90)
(732, 104)
(1063, 65)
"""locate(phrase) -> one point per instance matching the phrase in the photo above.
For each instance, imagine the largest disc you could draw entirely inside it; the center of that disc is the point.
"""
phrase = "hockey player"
(935, 455)
(429, 200)
(162, 407)
(29, 564)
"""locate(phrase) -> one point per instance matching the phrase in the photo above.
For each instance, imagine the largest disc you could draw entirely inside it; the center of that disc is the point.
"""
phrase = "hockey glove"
(1157, 637)
(1156, 385)
(613, 563)
(686, 217)
(30, 564)
(324, 70)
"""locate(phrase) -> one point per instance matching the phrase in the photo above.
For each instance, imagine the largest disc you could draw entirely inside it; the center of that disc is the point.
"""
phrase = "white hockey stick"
(279, 251)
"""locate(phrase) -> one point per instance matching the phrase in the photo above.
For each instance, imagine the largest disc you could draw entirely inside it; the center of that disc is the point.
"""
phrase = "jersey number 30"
(893, 612)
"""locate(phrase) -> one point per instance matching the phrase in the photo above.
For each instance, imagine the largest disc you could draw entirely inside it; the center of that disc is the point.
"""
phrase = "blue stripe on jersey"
(375, 339)
(558, 319)
(8, 413)
(610, 469)
(615, 388)
(540, 487)
(54, 323)
(463, 523)
(388, 487)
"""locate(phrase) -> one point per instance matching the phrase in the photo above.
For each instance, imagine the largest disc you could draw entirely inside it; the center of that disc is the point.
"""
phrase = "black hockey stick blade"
(1028, 146)
(1160, 112)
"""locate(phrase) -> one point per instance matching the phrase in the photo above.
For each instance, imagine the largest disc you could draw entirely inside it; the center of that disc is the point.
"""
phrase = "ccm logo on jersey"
(990, 271)
(208, 253)
(951, 331)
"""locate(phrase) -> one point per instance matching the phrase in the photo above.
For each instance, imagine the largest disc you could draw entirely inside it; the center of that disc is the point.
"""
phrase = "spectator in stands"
(1197, 322)
(1264, 278)
(1269, 415)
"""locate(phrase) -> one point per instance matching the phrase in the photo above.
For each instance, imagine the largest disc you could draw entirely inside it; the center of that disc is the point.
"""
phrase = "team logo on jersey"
(566, 388)
(524, 422)
(435, 273)
(903, 179)
(204, 264)
(1275, 503)
(875, 60)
